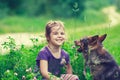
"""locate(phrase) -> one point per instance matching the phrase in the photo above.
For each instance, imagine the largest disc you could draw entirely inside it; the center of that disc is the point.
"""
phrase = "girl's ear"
(102, 38)
(93, 39)
(47, 38)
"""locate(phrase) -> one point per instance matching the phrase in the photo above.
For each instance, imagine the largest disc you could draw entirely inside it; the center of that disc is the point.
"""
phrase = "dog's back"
(103, 66)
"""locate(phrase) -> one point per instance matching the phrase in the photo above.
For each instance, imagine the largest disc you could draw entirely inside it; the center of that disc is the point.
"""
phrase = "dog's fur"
(101, 63)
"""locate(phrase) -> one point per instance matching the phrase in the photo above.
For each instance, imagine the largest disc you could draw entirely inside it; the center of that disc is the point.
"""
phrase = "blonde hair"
(50, 25)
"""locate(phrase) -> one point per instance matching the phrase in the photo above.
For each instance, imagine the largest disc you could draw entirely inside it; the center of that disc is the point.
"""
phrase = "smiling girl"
(52, 58)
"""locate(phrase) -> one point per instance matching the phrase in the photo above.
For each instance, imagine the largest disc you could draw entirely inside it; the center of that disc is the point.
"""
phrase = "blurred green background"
(32, 15)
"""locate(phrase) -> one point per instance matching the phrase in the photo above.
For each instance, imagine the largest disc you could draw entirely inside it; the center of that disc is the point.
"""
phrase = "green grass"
(22, 24)
(14, 24)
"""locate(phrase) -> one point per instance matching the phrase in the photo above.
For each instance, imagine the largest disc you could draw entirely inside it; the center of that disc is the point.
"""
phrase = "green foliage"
(97, 4)
(12, 58)
(9, 75)
(117, 2)
(32, 8)
(9, 7)
(88, 75)
(92, 17)
(21, 61)
(10, 44)
(40, 7)
(3, 13)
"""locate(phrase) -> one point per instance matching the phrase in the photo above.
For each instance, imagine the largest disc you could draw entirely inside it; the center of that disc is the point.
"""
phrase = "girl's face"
(57, 36)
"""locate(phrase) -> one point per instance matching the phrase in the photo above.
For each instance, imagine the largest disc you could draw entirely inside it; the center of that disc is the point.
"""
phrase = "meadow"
(17, 24)
(20, 63)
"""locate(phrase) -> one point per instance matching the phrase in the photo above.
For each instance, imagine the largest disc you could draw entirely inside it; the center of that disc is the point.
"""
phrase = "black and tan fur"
(101, 63)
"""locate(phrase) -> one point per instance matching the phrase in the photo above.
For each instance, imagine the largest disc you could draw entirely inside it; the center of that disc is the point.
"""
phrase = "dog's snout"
(77, 43)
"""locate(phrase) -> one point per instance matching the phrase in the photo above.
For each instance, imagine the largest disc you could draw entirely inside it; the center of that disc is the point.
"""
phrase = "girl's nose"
(59, 35)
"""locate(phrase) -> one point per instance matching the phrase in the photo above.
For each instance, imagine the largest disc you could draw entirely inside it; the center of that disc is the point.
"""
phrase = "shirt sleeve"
(67, 59)
(41, 56)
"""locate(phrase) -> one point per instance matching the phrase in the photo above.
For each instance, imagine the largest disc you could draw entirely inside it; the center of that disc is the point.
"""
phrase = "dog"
(97, 58)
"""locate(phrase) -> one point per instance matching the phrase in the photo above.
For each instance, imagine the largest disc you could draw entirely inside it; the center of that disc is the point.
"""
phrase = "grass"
(13, 24)
(22, 24)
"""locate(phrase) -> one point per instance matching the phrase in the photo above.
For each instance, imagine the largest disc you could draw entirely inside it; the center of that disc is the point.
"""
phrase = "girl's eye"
(55, 33)
(62, 33)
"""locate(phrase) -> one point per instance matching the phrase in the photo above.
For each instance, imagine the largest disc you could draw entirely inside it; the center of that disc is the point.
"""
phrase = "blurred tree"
(64, 8)
(10, 5)
(55, 8)
(33, 7)
(3, 8)
(117, 2)
(97, 4)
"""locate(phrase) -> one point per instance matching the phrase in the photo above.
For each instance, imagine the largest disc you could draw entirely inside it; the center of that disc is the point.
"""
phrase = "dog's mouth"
(83, 45)
(79, 50)
(82, 50)
(77, 44)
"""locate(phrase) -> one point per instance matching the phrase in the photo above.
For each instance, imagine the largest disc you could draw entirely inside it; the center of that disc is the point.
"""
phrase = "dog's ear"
(102, 38)
(93, 39)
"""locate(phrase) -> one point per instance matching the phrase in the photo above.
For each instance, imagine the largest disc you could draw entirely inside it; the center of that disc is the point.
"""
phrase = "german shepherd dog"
(101, 63)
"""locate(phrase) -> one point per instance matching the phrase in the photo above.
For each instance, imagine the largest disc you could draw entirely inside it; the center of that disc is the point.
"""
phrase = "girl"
(52, 58)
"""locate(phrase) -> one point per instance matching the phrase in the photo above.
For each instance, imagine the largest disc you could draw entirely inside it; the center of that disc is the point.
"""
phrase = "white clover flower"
(27, 70)
(63, 61)
(15, 74)
(23, 77)
(34, 78)
(30, 69)
(8, 71)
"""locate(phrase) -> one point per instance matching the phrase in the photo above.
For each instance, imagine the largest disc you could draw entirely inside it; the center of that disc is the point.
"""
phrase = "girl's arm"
(44, 69)
(69, 68)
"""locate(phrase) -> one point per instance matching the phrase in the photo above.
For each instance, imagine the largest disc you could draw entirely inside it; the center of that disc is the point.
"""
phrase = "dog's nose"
(77, 43)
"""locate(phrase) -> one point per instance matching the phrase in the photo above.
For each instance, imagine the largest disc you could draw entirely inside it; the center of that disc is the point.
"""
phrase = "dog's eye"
(87, 41)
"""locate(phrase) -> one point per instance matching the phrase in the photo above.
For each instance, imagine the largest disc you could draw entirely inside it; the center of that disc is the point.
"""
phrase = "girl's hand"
(56, 78)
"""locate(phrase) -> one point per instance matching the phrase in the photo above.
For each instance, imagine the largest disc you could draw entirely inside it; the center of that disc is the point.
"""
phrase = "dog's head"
(91, 42)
